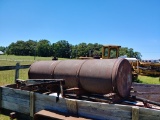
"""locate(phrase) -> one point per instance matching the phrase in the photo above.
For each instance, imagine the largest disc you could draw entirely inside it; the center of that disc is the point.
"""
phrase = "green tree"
(123, 51)
(2, 48)
(22, 48)
(16, 48)
(74, 51)
(44, 48)
(62, 49)
(82, 50)
(137, 55)
(97, 50)
(89, 50)
(19, 47)
(10, 49)
(30, 47)
(129, 53)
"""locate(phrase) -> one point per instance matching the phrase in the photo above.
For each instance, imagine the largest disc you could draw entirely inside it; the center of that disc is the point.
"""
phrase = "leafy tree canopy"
(62, 48)
(2, 48)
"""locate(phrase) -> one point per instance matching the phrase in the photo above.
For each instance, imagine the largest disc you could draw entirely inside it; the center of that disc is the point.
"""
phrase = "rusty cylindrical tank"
(95, 76)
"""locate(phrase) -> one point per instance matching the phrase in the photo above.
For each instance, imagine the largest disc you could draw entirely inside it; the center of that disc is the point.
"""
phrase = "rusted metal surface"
(123, 77)
(42, 69)
(69, 70)
(105, 76)
(94, 76)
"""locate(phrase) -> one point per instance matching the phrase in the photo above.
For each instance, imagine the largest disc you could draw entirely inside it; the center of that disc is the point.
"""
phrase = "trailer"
(25, 105)
(80, 89)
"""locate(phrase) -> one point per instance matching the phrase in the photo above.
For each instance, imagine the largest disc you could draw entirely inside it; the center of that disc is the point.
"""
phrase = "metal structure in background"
(110, 51)
(148, 68)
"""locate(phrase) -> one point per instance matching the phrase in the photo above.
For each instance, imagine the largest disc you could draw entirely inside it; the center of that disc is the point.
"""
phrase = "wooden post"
(135, 113)
(32, 104)
(17, 72)
(0, 97)
(138, 67)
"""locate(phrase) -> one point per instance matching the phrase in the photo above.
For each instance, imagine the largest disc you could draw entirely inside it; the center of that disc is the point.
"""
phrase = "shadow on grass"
(137, 81)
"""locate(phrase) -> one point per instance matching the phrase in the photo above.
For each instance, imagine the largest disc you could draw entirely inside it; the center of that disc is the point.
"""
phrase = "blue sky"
(129, 23)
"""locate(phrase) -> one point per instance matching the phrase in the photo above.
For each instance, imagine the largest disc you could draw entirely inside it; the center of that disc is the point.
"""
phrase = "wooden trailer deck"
(29, 103)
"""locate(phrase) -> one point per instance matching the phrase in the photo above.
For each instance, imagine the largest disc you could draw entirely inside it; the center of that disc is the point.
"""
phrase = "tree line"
(61, 48)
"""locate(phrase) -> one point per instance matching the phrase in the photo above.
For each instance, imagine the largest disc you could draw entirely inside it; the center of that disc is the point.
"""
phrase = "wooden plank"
(43, 97)
(152, 97)
(104, 106)
(2, 68)
(15, 92)
(90, 115)
(15, 107)
(49, 102)
(106, 113)
(104, 109)
(24, 66)
(59, 103)
(135, 113)
(148, 117)
(15, 100)
(50, 107)
(147, 91)
(10, 86)
(72, 106)
(150, 112)
(15, 96)
(18, 100)
(51, 99)
(146, 87)
(22, 102)
(54, 116)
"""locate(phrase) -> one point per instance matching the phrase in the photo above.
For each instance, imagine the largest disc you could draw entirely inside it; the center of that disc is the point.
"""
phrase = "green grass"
(148, 80)
(7, 77)
(25, 58)
(3, 117)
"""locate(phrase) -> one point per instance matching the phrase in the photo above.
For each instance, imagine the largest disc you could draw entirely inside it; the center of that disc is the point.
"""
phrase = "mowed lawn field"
(7, 77)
